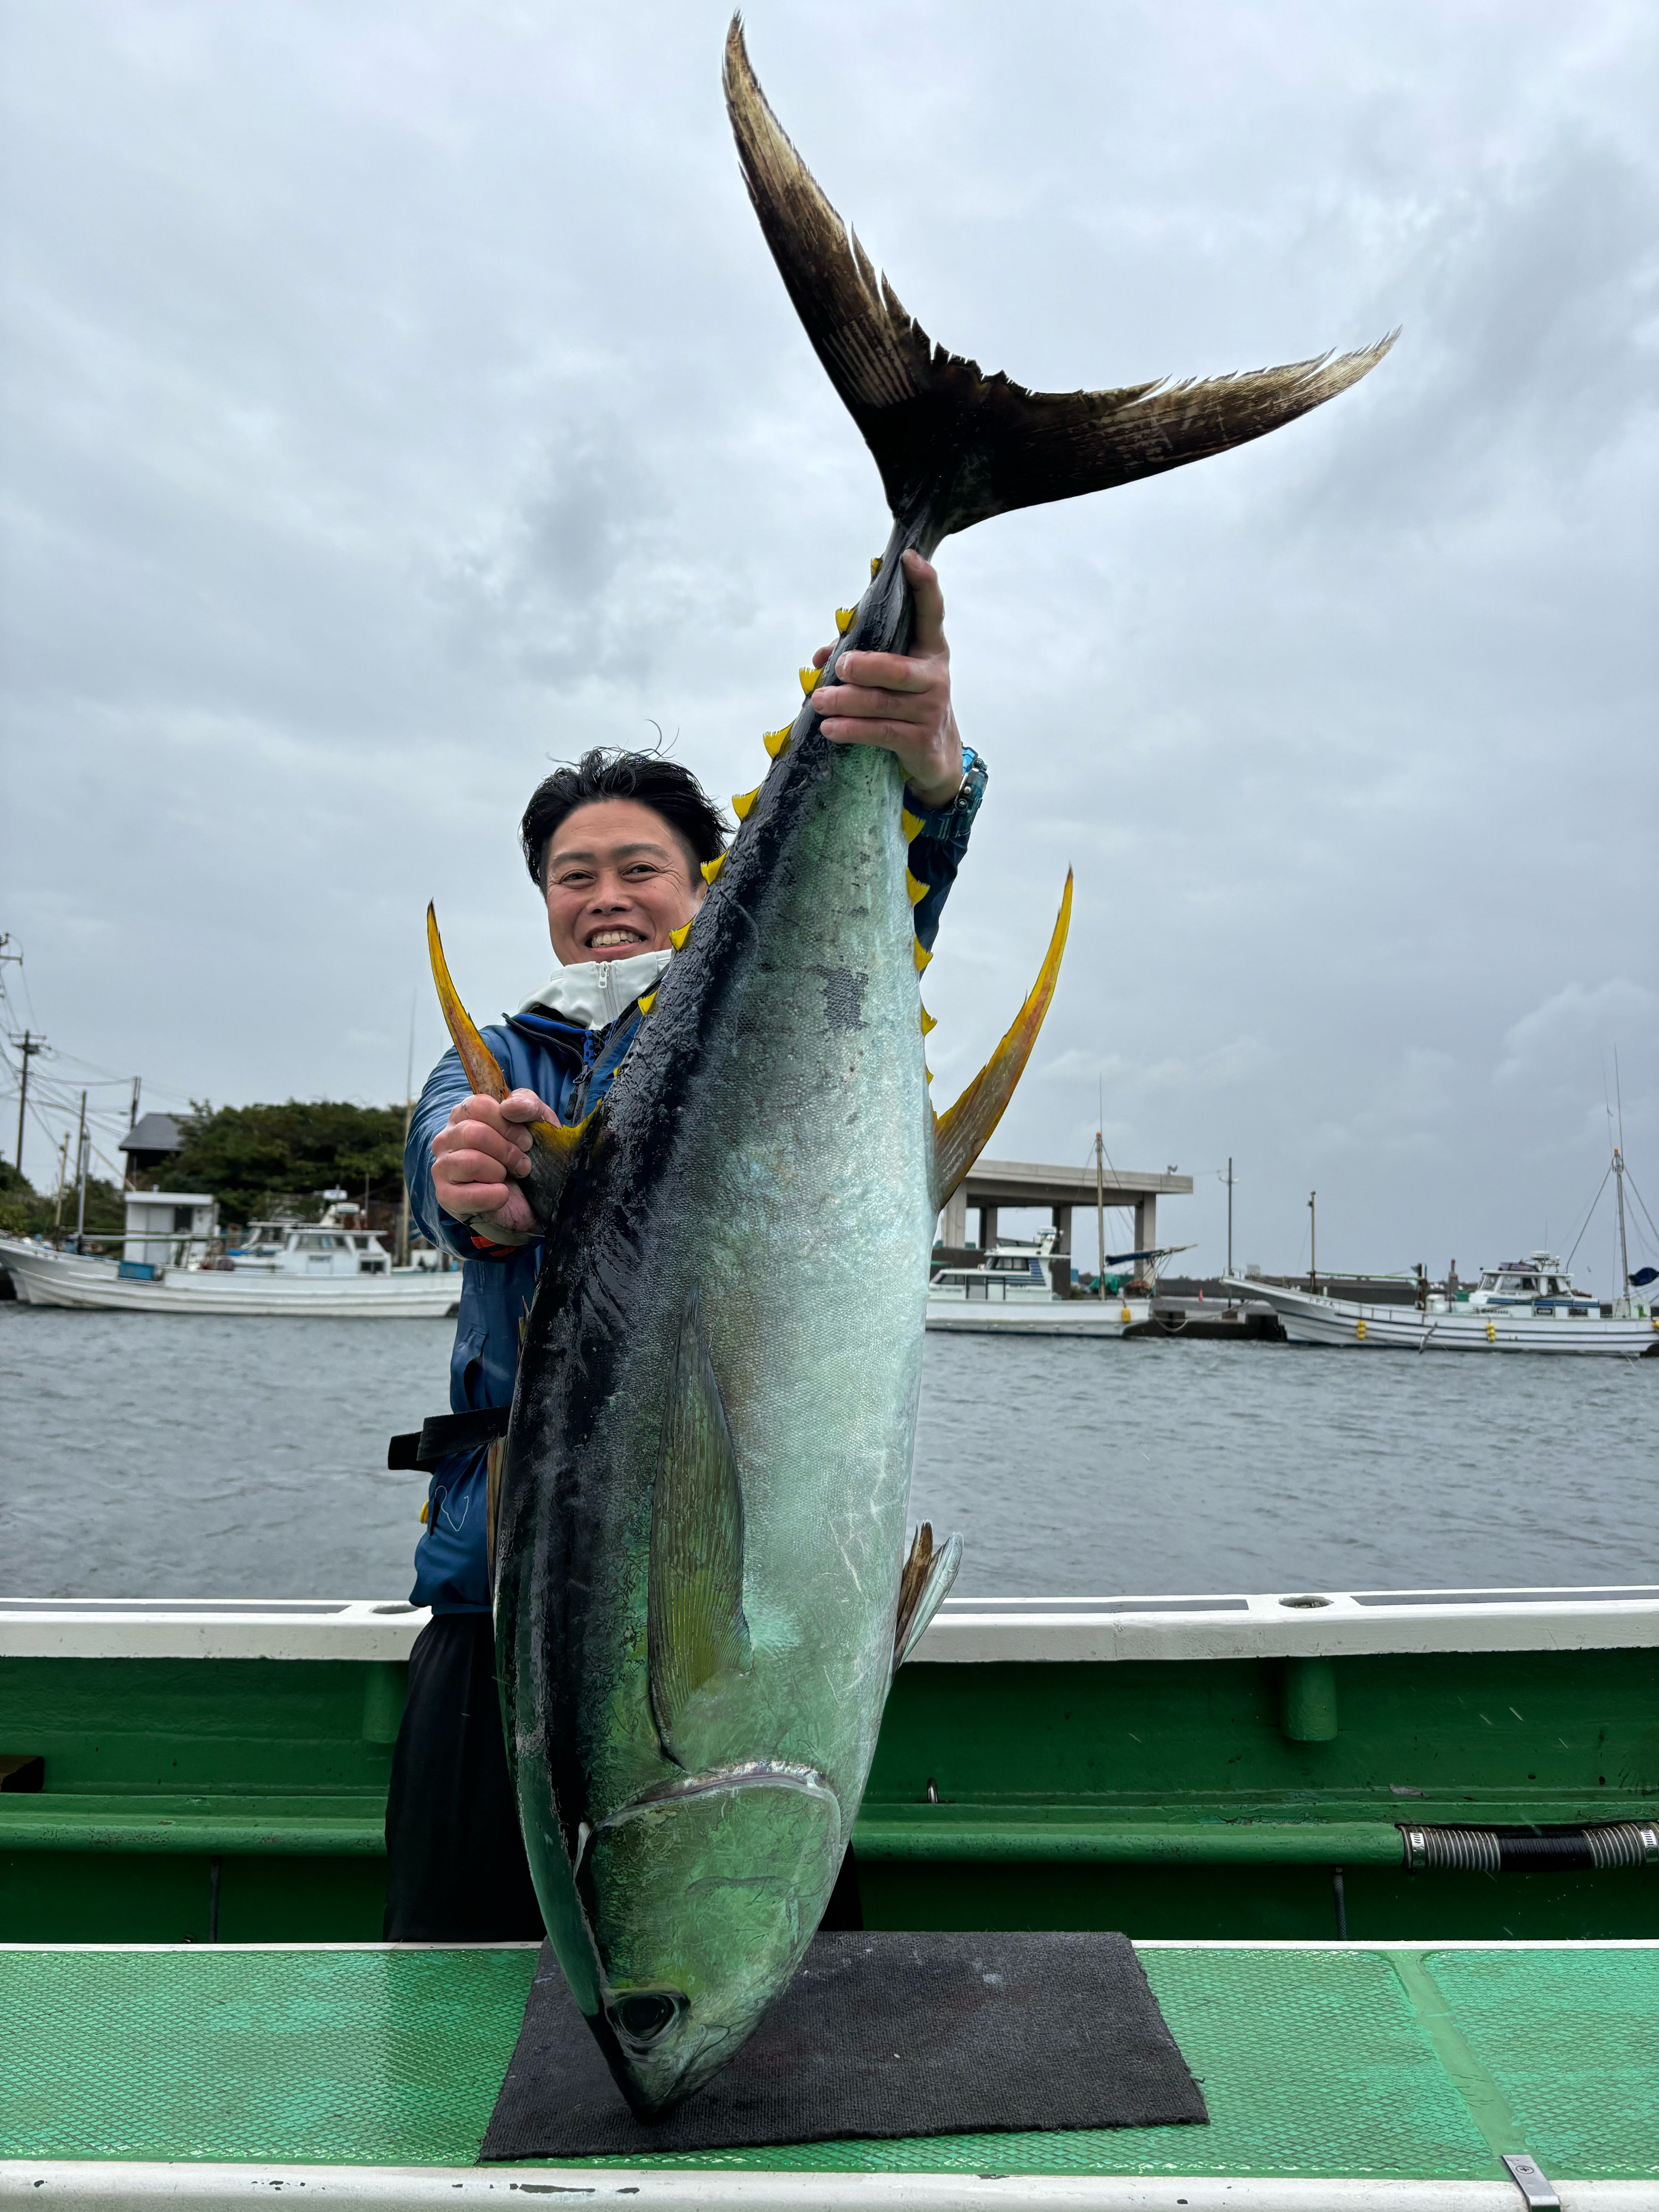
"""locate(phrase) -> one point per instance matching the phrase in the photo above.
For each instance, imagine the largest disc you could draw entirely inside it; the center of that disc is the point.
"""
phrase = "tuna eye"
(644, 2015)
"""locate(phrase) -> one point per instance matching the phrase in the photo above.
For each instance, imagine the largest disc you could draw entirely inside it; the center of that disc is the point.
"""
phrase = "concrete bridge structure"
(993, 1184)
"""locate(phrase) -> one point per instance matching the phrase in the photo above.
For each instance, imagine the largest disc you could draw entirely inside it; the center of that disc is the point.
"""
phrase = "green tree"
(25, 1212)
(257, 1159)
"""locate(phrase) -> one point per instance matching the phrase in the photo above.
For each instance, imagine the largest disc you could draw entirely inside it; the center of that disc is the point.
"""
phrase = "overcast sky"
(399, 399)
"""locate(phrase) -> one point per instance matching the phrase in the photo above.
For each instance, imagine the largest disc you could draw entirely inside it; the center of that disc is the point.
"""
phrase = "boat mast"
(1618, 1192)
(1313, 1241)
(1100, 1209)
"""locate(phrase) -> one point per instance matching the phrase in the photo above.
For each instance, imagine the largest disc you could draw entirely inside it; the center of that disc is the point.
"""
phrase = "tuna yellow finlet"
(918, 891)
(928, 1022)
(875, 564)
(844, 619)
(923, 955)
(711, 868)
(911, 825)
(809, 680)
(677, 937)
(743, 800)
(648, 1002)
(775, 740)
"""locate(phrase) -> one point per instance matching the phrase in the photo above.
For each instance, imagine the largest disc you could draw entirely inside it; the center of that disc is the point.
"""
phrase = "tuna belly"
(700, 1900)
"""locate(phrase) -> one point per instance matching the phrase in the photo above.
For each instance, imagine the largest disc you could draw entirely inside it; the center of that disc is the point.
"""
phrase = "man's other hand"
(479, 1160)
(902, 700)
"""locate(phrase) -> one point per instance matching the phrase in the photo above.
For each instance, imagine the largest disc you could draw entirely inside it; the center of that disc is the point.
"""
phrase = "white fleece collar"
(595, 992)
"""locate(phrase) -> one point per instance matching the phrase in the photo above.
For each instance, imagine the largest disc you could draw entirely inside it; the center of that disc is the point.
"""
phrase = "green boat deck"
(1388, 2064)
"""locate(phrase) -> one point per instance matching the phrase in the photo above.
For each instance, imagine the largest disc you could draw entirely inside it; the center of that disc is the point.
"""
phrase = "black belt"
(445, 1433)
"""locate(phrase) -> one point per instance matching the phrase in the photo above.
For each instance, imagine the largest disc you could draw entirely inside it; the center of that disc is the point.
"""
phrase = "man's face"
(618, 880)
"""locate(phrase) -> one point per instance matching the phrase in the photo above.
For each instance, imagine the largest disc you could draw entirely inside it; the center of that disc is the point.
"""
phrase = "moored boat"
(173, 1262)
(1026, 1290)
(1525, 1305)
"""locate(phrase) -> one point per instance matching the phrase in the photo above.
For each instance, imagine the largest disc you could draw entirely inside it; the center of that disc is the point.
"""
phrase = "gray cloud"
(397, 399)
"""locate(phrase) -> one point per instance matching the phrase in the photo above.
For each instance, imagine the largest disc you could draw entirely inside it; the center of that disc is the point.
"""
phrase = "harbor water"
(160, 1456)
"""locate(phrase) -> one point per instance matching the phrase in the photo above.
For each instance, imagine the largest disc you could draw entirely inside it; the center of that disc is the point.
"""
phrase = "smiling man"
(616, 845)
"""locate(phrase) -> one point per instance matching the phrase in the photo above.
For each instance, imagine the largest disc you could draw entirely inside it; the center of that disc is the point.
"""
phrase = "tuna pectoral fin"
(953, 444)
(923, 1588)
(552, 1145)
(695, 1629)
(961, 1132)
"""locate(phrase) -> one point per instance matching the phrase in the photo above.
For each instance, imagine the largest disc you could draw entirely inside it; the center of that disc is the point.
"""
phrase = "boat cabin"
(1538, 1279)
(168, 1228)
(314, 1249)
(1018, 1271)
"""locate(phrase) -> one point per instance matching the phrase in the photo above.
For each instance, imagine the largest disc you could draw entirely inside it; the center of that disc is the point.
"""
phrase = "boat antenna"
(1619, 1171)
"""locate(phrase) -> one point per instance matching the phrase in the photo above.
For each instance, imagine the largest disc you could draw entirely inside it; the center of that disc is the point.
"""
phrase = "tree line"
(255, 1160)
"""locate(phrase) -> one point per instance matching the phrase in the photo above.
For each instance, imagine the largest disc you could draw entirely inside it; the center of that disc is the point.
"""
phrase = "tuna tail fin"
(963, 1130)
(923, 1588)
(953, 444)
(552, 1145)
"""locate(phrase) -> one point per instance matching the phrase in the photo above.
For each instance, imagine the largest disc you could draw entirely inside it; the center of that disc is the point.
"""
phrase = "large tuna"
(700, 1538)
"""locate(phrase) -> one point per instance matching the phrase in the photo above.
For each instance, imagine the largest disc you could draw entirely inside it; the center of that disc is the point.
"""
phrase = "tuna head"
(701, 1900)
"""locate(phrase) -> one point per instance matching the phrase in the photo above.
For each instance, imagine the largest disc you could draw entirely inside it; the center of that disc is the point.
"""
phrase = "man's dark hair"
(662, 784)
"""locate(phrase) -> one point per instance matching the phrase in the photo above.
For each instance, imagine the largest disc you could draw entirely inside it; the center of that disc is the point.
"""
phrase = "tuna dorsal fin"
(923, 1587)
(963, 1130)
(953, 444)
(696, 1628)
(552, 1145)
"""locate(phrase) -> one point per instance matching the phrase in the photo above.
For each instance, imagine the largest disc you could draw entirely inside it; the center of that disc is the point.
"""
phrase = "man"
(614, 846)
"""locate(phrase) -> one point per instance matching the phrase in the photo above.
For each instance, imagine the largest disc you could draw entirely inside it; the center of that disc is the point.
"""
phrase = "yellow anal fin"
(483, 1070)
(963, 1130)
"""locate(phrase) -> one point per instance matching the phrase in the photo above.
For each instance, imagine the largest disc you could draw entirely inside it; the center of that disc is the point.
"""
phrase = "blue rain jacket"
(570, 1068)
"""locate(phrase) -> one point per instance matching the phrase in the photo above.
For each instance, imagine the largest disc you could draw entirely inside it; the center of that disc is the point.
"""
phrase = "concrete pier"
(993, 1184)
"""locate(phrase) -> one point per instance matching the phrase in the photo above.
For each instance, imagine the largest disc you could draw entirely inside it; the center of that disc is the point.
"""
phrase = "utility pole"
(1100, 1208)
(81, 1176)
(409, 1114)
(130, 1178)
(1313, 1241)
(63, 1178)
(29, 1047)
(1230, 1213)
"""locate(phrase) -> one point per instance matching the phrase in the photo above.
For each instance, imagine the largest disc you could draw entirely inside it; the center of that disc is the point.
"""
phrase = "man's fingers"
(520, 1106)
(899, 738)
(472, 1141)
(923, 578)
(885, 671)
(865, 701)
(822, 655)
(467, 1200)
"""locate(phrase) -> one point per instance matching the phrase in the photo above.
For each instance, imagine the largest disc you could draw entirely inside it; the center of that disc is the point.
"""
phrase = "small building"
(150, 1143)
(163, 1225)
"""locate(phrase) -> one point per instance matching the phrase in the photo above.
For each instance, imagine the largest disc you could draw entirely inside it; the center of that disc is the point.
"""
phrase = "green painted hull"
(1165, 1798)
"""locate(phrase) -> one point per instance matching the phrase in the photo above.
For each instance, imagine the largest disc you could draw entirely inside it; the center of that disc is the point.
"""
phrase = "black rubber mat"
(879, 2035)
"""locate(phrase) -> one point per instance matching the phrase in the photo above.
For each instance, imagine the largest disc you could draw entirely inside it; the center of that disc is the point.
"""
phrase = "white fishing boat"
(172, 1260)
(1524, 1305)
(1012, 1293)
